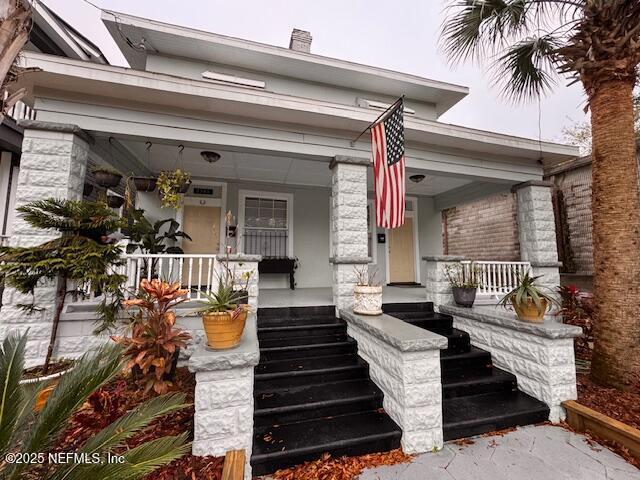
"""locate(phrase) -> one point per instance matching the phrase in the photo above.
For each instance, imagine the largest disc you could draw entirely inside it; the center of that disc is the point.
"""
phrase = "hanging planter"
(172, 184)
(115, 201)
(107, 177)
(145, 184)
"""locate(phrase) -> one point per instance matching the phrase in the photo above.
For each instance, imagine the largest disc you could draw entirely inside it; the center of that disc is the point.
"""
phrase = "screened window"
(266, 226)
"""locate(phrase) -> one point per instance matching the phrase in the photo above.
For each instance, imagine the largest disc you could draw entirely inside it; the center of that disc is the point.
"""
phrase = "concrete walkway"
(529, 453)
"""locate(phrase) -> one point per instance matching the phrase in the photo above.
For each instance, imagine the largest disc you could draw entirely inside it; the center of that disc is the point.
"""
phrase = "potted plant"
(367, 292)
(107, 177)
(223, 314)
(528, 299)
(154, 343)
(464, 282)
(145, 184)
(114, 201)
(171, 184)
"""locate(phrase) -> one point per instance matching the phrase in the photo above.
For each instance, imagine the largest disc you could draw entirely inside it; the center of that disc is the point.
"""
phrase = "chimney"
(300, 41)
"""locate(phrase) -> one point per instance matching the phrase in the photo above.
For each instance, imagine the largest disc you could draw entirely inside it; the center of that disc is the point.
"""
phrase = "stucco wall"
(485, 229)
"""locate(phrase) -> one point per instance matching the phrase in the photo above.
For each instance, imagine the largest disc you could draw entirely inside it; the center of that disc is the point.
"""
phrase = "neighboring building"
(50, 35)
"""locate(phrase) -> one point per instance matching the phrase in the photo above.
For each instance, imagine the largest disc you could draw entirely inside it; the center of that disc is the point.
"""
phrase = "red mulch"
(343, 468)
(123, 394)
(623, 406)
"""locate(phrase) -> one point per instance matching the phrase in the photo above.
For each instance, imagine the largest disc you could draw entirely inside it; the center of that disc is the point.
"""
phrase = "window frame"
(260, 194)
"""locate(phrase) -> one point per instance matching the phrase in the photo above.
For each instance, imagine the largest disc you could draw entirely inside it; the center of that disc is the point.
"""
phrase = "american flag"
(387, 146)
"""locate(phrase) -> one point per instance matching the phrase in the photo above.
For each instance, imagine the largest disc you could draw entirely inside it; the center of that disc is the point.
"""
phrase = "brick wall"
(484, 229)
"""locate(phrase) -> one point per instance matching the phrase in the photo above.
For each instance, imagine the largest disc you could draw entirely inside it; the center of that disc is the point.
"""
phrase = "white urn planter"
(367, 300)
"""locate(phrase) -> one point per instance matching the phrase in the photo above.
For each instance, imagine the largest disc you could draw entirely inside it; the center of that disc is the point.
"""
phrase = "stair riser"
(458, 344)
(269, 356)
(478, 389)
(269, 384)
(295, 312)
(439, 325)
(315, 412)
(306, 332)
(390, 308)
(469, 430)
(474, 362)
(307, 340)
(265, 466)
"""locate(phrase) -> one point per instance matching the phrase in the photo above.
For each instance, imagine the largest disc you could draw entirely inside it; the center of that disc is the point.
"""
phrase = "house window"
(266, 224)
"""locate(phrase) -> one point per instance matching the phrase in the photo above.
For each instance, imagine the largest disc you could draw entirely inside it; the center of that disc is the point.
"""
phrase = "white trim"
(212, 202)
(288, 197)
(232, 79)
(376, 105)
(374, 232)
(413, 214)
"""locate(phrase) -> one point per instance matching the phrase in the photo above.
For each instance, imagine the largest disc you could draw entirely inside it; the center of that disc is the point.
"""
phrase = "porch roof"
(61, 80)
(173, 40)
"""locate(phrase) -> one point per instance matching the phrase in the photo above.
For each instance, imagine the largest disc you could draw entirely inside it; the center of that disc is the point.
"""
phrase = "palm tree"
(531, 43)
(23, 431)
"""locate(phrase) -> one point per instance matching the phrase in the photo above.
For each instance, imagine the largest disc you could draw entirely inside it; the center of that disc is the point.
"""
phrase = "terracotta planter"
(222, 330)
(145, 184)
(367, 300)
(464, 297)
(107, 179)
(529, 312)
(115, 201)
(45, 392)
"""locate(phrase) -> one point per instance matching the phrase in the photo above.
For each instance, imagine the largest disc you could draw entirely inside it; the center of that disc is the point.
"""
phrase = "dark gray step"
(435, 322)
(283, 446)
(407, 307)
(473, 382)
(468, 416)
(302, 321)
(455, 364)
(458, 341)
(347, 346)
(306, 402)
(296, 312)
(292, 331)
(305, 371)
(302, 340)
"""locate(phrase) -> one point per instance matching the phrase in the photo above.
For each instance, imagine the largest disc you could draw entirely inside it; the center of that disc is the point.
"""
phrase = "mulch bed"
(116, 398)
(343, 468)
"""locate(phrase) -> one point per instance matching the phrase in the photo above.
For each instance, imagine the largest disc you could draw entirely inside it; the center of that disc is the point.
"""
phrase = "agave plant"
(528, 289)
(22, 431)
(224, 299)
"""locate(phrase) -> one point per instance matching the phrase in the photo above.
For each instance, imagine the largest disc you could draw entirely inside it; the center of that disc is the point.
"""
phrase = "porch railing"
(497, 278)
(195, 272)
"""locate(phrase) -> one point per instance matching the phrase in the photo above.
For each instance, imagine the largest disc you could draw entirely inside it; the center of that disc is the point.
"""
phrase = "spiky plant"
(531, 43)
(527, 290)
(23, 431)
(77, 254)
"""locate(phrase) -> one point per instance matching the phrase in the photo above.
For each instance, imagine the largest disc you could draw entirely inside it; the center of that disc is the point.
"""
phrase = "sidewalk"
(529, 453)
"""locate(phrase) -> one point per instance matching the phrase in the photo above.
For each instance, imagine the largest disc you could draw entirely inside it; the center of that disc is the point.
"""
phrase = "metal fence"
(267, 242)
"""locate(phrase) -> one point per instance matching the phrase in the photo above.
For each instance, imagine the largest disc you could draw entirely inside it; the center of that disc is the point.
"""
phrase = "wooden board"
(401, 253)
(234, 462)
(583, 418)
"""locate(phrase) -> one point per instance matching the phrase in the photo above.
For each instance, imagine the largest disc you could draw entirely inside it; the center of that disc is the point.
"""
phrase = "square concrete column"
(349, 236)
(53, 164)
(537, 231)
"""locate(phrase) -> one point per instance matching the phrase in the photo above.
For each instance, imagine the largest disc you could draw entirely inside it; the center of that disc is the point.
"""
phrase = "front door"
(401, 253)
(202, 224)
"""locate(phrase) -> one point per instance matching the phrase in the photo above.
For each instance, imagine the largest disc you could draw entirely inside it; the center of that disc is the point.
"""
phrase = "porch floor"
(309, 297)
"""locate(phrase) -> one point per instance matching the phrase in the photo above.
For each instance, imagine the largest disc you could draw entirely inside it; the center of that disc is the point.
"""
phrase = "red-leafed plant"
(154, 340)
(577, 309)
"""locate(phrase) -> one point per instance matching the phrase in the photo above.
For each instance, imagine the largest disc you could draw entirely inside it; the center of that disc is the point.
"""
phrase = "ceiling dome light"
(210, 157)
(417, 178)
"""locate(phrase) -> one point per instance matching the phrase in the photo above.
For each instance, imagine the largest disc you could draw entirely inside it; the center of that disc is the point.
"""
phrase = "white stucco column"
(537, 231)
(349, 239)
(437, 286)
(53, 164)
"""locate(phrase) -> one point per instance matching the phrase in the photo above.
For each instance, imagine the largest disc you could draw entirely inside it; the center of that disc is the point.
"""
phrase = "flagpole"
(389, 108)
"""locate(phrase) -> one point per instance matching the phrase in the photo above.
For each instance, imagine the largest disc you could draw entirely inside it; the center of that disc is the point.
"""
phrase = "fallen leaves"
(343, 468)
(623, 406)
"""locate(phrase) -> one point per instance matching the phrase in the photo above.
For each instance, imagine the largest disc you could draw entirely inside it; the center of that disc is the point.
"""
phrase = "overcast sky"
(400, 35)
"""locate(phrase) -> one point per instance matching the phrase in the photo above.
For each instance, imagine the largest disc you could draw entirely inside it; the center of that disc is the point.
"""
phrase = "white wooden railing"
(497, 278)
(20, 111)
(196, 272)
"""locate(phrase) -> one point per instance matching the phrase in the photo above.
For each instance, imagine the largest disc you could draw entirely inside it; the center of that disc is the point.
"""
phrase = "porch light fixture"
(210, 157)
(417, 178)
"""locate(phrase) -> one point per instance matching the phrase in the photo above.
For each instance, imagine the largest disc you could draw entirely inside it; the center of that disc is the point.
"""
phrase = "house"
(268, 135)
(487, 228)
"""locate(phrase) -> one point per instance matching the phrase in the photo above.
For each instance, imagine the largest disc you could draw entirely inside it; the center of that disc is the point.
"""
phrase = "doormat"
(405, 284)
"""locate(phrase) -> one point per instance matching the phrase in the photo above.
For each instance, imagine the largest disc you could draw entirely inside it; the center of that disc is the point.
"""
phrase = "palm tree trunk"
(616, 236)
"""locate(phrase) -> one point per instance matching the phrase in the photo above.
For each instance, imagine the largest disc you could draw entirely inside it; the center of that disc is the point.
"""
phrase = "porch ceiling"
(249, 166)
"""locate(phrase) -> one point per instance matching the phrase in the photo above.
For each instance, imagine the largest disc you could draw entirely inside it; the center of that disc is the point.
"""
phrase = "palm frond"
(138, 461)
(526, 70)
(11, 395)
